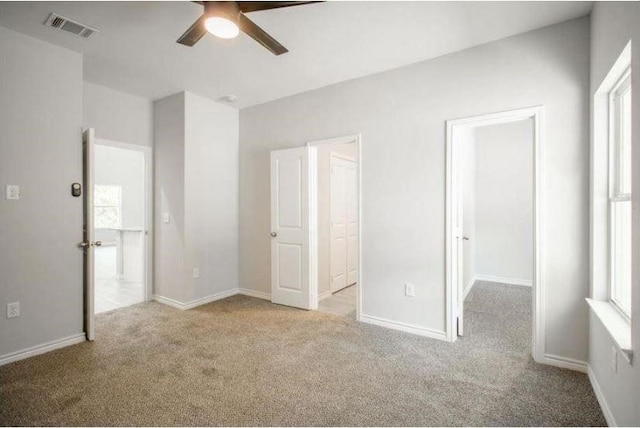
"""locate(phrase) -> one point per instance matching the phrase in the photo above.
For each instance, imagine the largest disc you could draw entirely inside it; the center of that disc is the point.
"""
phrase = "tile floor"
(341, 303)
(111, 292)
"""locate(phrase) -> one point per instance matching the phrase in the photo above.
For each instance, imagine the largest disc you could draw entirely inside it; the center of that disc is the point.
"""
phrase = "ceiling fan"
(225, 19)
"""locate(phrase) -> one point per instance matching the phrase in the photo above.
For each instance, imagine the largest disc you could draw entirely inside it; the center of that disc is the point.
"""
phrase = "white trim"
(600, 192)
(537, 114)
(504, 280)
(325, 295)
(43, 348)
(469, 286)
(339, 155)
(407, 328)
(616, 323)
(565, 363)
(357, 139)
(254, 293)
(312, 174)
(197, 302)
(147, 153)
(604, 406)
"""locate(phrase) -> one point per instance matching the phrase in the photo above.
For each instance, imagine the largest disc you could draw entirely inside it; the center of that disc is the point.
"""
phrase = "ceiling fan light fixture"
(221, 27)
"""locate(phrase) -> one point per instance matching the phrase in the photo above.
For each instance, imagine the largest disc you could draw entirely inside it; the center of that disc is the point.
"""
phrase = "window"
(620, 194)
(107, 203)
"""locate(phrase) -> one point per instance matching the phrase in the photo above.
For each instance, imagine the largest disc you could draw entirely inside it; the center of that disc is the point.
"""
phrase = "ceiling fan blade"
(260, 36)
(254, 6)
(194, 33)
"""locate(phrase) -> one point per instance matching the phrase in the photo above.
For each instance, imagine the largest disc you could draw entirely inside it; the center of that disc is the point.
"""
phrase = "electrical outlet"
(12, 192)
(614, 359)
(196, 273)
(13, 309)
(409, 289)
(166, 218)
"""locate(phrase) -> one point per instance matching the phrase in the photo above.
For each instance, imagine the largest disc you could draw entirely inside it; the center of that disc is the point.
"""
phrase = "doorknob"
(86, 244)
(465, 238)
(274, 234)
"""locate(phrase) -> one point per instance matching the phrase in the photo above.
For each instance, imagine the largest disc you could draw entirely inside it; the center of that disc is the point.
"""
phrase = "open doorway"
(494, 287)
(299, 261)
(337, 204)
(496, 189)
(119, 209)
(117, 223)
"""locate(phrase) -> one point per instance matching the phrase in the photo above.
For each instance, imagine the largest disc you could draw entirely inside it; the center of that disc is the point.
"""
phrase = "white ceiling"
(136, 50)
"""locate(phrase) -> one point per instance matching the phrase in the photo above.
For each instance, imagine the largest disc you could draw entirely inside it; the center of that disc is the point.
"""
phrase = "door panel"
(352, 224)
(338, 226)
(344, 223)
(458, 242)
(289, 195)
(292, 244)
(289, 266)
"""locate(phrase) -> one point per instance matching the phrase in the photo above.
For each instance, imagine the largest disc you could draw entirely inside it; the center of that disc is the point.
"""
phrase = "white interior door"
(344, 223)
(293, 224)
(338, 249)
(458, 243)
(351, 176)
(88, 145)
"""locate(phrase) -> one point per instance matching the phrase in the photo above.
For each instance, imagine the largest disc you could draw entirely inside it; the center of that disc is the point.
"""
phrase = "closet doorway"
(338, 225)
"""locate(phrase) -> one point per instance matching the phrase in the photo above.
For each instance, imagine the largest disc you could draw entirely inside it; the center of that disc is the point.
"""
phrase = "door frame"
(347, 139)
(535, 113)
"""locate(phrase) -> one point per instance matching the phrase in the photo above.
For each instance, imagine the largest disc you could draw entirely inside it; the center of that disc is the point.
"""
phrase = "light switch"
(12, 192)
(409, 290)
(166, 218)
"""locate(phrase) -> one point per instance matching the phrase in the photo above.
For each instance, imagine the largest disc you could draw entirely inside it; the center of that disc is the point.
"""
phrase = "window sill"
(618, 327)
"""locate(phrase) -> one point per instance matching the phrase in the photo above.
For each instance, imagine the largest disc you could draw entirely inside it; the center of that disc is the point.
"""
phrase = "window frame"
(118, 207)
(622, 85)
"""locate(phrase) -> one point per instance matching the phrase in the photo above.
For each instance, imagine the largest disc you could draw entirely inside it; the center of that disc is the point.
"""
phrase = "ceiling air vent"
(66, 24)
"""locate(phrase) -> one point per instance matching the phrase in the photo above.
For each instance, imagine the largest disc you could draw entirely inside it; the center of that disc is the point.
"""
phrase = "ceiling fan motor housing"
(223, 9)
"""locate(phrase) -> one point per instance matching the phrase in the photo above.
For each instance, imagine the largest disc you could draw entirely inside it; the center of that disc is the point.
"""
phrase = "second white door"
(293, 223)
(344, 223)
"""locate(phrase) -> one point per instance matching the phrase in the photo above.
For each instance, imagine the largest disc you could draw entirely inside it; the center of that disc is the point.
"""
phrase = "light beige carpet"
(244, 361)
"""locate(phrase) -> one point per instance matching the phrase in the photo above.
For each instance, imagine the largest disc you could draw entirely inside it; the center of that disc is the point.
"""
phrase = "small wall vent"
(66, 24)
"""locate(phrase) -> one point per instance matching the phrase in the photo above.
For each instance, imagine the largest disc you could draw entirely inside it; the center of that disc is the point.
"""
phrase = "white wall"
(211, 194)
(324, 209)
(117, 116)
(170, 273)
(196, 181)
(612, 26)
(40, 150)
(504, 201)
(401, 115)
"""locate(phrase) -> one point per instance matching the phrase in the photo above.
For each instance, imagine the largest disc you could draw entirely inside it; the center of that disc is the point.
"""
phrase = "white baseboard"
(408, 328)
(324, 295)
(606, 410)
(565, 363)
(468, 287)
(254, 293)
(41, 349)
(194, 303)
(504, 280)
